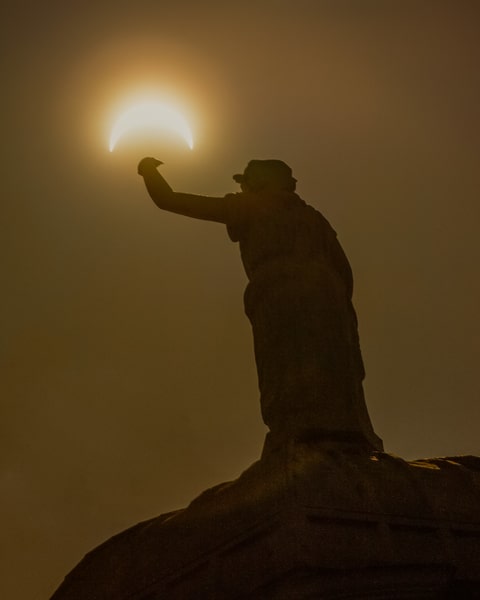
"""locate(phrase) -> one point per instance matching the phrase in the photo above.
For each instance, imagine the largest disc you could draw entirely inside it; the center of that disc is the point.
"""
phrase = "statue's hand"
(148, 164)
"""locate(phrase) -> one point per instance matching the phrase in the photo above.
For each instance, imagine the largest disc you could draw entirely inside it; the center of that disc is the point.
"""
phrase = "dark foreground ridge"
(308, 520)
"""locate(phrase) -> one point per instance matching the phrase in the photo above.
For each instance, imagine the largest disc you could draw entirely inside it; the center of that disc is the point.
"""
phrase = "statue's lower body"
(310, 369)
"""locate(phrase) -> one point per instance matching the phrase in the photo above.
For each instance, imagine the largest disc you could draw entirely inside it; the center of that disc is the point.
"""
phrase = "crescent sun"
(153, 115)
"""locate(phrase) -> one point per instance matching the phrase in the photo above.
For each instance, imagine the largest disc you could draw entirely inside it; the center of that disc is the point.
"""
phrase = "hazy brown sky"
(128, 382)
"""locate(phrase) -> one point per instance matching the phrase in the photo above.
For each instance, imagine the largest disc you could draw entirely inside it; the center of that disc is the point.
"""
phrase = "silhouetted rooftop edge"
(321, 509)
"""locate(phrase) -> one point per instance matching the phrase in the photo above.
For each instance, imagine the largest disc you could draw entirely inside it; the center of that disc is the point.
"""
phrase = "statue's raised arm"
(190, 205)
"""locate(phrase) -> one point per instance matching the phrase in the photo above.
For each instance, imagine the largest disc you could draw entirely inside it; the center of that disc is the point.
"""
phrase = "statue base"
(311, 519)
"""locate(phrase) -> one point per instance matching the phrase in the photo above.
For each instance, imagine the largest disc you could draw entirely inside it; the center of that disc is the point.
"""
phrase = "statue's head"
(263, 175)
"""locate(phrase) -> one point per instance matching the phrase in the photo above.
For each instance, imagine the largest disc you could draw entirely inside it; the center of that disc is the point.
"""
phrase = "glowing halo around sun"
(156, 115)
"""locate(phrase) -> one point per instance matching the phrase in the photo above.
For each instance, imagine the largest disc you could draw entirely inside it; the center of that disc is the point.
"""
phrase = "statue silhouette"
(298, 300)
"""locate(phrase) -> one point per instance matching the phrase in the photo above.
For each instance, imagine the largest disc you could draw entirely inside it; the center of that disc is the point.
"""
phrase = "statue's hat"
(263, 171)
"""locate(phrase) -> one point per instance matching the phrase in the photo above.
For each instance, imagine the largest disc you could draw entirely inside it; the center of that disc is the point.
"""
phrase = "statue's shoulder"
(274, 209)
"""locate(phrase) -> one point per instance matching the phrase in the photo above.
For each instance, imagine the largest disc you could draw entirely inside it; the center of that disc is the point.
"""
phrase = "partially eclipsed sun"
(152, 115)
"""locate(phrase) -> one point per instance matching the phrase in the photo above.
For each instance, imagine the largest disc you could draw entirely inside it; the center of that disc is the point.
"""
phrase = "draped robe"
(299, 303)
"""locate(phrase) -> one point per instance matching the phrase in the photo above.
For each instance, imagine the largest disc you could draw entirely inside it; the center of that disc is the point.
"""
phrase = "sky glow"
(152, 115)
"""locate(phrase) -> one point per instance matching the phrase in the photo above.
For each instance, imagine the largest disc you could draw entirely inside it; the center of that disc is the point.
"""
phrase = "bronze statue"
(298, 300)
